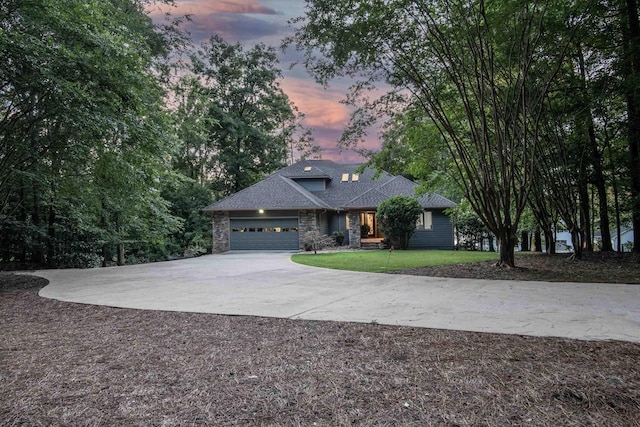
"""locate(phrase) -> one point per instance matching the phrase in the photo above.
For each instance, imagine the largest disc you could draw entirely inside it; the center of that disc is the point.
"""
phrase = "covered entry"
(264, 234)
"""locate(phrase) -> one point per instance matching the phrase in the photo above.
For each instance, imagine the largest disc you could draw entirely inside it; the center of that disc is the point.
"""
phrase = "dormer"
(312, 179)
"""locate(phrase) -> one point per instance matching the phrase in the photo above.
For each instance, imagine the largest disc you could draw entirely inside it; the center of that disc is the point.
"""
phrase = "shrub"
(338, 236)
(314, 241)
(397, 218)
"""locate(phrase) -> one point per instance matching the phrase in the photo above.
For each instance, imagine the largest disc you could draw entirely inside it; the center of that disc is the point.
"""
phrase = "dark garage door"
(264, 234)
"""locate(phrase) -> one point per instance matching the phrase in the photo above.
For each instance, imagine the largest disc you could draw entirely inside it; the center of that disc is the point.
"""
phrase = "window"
(355, 177)
(307, 168)
(425, 221)
(345, 177)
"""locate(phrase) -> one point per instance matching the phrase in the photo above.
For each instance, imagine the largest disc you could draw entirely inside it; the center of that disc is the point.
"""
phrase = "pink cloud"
(233, 20)
(253, 21)
(321, 106)
(200, 8)
(327, 117)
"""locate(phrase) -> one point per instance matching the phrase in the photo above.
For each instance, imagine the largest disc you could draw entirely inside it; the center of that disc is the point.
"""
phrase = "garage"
(265, 234)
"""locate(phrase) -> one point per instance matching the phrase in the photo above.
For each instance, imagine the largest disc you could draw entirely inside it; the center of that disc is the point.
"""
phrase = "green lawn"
(381, 261)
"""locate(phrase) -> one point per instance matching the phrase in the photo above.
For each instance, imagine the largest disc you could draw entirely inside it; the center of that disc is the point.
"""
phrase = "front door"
(368, 219)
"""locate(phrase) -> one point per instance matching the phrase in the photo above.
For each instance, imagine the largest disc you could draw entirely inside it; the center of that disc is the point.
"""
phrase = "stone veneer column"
(221, 231)
(307, 221)
(354, 229)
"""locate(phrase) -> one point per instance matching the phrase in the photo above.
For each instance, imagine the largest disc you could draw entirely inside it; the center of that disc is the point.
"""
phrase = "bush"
(314, 241)
(338, 236)
(397, 218)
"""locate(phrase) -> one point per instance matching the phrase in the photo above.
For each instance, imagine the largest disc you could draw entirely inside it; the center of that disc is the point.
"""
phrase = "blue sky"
(265, 21)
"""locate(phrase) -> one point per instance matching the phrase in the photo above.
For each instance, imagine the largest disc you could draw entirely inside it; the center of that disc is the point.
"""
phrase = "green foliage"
(84, 139)
(187, 198)
(470, 230)
(478, 71)
(235, 123)
(381, 261)
(397, 219)
(338, 236)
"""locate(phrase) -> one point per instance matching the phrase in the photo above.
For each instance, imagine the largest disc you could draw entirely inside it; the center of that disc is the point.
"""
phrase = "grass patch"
(383, 261)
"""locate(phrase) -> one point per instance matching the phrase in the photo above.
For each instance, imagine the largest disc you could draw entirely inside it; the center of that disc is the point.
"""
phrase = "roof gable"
(274, 192)
(280, 191)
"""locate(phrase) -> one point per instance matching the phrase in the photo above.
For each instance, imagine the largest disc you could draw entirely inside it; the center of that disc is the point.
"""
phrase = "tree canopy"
(103, 157)
(505, 99)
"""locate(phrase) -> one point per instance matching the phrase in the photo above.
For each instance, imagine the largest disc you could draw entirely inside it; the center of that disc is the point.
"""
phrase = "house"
(321, 195)
(626, 239)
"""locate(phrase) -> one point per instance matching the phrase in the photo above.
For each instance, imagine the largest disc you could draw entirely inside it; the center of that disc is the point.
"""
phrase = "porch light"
(261, 211)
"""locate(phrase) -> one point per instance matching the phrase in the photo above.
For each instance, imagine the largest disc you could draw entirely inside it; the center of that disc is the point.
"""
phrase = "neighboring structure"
(321, 195)
(626, 239)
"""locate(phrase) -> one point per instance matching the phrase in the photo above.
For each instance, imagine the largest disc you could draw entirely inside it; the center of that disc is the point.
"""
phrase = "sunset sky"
(265, 21)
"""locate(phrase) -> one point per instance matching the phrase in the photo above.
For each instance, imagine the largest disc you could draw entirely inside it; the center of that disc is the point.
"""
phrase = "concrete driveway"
(271, 285)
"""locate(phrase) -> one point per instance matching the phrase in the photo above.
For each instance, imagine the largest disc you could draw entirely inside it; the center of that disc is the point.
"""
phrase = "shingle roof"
(274, 192)
(281, 191)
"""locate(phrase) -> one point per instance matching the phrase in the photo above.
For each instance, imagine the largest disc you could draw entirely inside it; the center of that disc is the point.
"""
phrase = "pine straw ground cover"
(595, 267)
(70, 364)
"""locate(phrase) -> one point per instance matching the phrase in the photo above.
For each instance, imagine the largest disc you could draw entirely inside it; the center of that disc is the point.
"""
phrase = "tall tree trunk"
(550, 241)
(492, 247)
(508, 241)
(120, 248)
(537, 238)
(38, 255)
(106, 253)
(22, 218)
(51, 237)
(616, 202)
(577, 244)
(603, 206)
(585, 215)
(524, 245)
(631, 71)
(595, 156)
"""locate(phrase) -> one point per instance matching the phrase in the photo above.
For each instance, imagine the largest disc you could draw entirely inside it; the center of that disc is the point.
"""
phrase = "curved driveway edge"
(271, 285)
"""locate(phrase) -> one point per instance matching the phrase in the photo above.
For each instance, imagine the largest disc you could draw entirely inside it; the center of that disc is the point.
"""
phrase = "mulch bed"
(592, 268)
(70, 364)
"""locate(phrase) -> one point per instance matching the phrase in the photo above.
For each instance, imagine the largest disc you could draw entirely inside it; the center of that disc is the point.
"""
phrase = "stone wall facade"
(354, 229)
(221, 231)
(307, 221)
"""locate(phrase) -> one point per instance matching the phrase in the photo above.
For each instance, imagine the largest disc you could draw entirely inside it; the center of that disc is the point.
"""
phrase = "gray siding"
(323, 223)
(440, 237)
(338, 222)
(312, 184)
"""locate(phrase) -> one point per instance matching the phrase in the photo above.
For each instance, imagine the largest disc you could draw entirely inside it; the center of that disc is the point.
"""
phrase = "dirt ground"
(81, 365)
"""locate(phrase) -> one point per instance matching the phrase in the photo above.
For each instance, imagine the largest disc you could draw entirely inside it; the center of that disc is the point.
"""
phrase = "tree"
(243, 124)
(630, 71)
(83, 133)
(397, 218)
(479, 70)
(470, 230)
